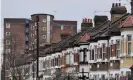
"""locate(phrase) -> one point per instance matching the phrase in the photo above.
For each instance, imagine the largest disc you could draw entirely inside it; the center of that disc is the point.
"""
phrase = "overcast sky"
(62, 9)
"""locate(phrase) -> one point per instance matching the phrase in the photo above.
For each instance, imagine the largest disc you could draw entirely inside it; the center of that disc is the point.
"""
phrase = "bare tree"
(14, 60)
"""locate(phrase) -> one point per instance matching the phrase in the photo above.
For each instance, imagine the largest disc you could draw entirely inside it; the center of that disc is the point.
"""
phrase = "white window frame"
(35, 23)
(118, 55)
(129, 41)
(8, 50)
(62, 27)
(8, 25)
(7, 42)
(7, 33)
(67, 58)
(44, 20)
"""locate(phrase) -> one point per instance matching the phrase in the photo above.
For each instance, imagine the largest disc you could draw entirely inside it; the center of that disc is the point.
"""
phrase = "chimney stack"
(117, 11)
(86, 24)
(100, 19)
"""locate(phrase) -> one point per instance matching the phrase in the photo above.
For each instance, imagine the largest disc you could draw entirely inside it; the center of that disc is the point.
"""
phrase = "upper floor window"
(59, 60)
(62, 27)
(85, 55)
(71, 58)
(8, 51)
(7, 42)
(90, 52)
(122, 43)
(67, 59)
(44, 36)
(95, 51)
(111, 52)
(103, 51)
(7, 25)
(35, 24)
(44, 28)
(117, 48)
(44, 64)
(7, 33)
(129, 38)
(44, 20)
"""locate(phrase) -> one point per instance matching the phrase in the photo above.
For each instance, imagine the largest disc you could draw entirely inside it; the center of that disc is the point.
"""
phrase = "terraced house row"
(104, 51)
(100, 52)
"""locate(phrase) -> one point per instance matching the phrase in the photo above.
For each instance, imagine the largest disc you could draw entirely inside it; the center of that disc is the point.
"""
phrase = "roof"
(64, 22)
(128, 22)
(15, 20)
(41, 14)
(115, 25)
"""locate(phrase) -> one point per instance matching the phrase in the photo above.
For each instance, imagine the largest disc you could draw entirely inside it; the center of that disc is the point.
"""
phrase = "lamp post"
(37, 57)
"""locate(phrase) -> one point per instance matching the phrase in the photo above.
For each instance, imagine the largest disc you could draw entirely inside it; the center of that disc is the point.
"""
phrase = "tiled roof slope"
(94, 32)
(114, 27)
(108, 27)
(128, 22)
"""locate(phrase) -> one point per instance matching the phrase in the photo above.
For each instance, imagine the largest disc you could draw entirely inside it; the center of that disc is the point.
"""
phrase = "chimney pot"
(119, 4)
(88, 20)
(113, 5)
(85, 20)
